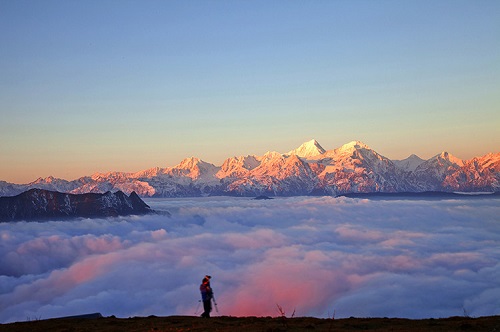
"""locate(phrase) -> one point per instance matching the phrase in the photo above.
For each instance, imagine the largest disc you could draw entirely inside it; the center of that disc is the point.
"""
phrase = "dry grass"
(257, 324)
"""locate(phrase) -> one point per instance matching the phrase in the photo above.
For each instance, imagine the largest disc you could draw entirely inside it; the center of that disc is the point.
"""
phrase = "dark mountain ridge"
(426, 195)
(39, 204)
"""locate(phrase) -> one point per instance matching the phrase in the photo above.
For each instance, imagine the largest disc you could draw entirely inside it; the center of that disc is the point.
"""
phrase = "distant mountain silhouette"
(39, 204)
(427, 195)
(262, 197)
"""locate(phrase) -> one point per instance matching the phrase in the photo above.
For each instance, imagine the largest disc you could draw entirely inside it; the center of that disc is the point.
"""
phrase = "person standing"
(206, 296)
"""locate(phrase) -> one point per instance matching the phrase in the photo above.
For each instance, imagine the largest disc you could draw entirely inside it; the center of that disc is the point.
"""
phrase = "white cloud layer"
(362, 258)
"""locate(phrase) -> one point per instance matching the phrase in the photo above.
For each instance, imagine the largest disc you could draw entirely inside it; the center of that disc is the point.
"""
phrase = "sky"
(315, 256)
(98, 86)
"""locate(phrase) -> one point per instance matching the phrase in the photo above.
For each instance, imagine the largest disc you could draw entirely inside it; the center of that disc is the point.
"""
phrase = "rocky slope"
(39, 204)
(307, 170)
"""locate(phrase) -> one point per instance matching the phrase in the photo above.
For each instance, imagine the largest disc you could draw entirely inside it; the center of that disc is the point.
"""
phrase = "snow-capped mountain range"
(307, 170)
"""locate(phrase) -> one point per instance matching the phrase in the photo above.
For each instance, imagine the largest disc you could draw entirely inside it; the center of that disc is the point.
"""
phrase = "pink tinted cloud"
(311, 255)
(353, 233)
(42, 254)
(59, 282)
(255, 239)
(290, 277)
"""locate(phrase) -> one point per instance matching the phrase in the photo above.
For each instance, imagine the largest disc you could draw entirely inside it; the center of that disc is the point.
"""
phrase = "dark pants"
(207, 307)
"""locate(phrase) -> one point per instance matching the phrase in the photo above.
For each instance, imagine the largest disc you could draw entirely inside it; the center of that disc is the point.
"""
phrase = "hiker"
(206, 296)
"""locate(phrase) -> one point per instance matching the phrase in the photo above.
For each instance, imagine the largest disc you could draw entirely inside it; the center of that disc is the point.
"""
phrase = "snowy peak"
(270, 155)
(409, 164)
(237, 166)
(248, 162)
(479, 172)
(348, 150)
(308, 149)
(51, 183)
(148, 173)
(195, 164)
(435, 170)
(445, 157)
(115, 176)
(189, 163)
(490, 160)
(194, 168)
(48, 179)
(353, 145)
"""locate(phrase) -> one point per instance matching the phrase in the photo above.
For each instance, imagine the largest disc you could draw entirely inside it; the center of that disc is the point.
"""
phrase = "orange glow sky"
(95, 86)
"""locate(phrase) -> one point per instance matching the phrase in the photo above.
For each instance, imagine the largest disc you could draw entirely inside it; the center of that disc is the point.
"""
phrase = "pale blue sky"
(95, 86)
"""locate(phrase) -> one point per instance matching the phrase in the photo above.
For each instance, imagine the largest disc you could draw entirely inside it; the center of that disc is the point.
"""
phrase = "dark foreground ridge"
(244, 324)
(262, 197)
(426, 195)
(39, 204)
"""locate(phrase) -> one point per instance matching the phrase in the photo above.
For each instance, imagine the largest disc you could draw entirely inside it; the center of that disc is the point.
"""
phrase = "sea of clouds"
(313, 256)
